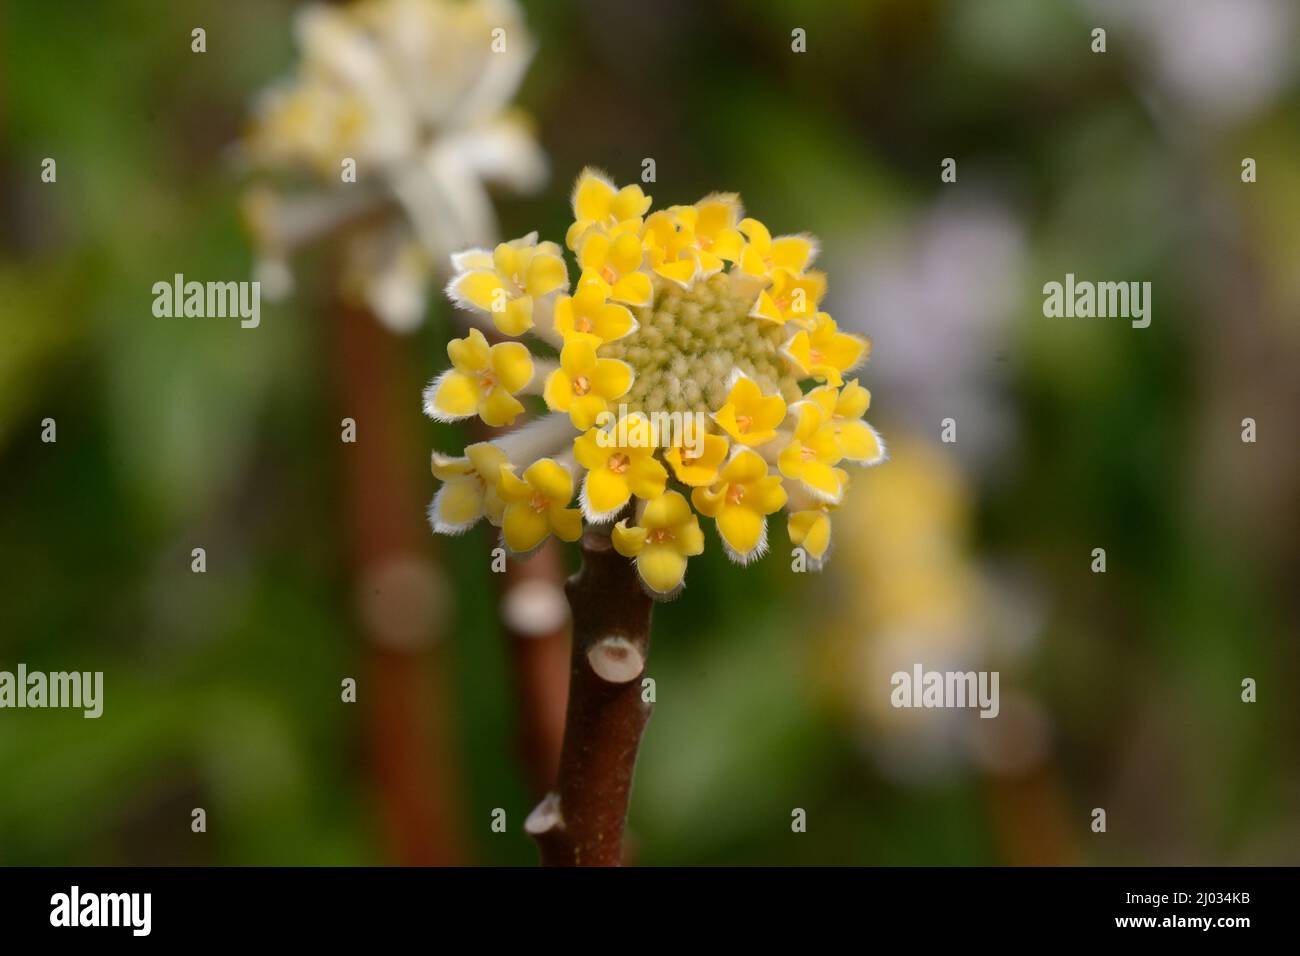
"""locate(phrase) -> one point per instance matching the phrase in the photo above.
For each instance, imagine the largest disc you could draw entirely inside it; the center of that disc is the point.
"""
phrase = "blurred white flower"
(1221, 60)
(416, 93)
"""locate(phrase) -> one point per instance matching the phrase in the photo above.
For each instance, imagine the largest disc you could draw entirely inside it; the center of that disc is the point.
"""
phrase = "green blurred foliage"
(224, 687)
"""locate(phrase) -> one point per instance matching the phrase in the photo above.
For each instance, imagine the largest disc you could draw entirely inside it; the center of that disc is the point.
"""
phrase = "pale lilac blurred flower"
(937, 294)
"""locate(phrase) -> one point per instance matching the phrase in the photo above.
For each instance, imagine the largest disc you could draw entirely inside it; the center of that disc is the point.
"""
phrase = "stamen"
(736, 494)
(581, 385)
(617, 463)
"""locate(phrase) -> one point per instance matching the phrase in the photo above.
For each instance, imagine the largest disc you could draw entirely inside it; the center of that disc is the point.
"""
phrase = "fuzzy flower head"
(397, 117)
(694, 374)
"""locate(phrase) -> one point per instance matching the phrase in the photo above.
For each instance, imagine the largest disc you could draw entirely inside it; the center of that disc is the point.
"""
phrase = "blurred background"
(1119, 690)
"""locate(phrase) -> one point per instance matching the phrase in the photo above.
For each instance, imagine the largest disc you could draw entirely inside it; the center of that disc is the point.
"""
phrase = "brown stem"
(581, 823)
(535, 624)
(402, 596)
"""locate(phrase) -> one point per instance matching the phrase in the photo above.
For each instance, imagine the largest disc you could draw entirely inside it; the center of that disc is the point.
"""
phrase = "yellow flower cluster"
(697, 375)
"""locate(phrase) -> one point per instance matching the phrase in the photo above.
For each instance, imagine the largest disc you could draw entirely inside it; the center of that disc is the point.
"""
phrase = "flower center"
(690, 341)
(487, 381)
(736, 494)
(617, 463)
(581, 385)
(807, 454)
(582, 324)
(659, 536)
(607, 273)
(744, 423)
(538, 502)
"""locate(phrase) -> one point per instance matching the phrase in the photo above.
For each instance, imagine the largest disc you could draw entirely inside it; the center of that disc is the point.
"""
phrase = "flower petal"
(634, 288)
(469, 354)
(551, 479)
(668, 510)
(606, 491)
(457, 505)
(647, 477)
(859, 442)
(513, 365)
(558, 391)
(499, 408)
(810, 530)
(745, 467)
(517, 316)
(690, 539)
(482, 289)
(455, 396)
(614, 321)
(662, 567)
(611, 378)
(627, 541)
(741, 528)
(567, 523)
(523, 527)
(545, 275)
(592, 195)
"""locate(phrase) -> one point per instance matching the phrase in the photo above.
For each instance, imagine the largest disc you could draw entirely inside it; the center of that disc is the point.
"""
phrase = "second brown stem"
(581, 823)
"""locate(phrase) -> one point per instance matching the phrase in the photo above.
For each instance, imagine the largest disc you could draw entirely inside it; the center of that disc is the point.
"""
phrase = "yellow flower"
(670, 248)
(537, 506)
(668, 534)
(702, 469)
(598, 202)
(749, 416)
(824, 352)
(858, 442)
(505, 282)
(617, 472)
(813, 453)
(763, 254)
(792, 298)
(712, 223)
(617, 258)
(469, 490)
(482, 379)
(588, 312)
(584, 385)
(740, 502)
(811, 530)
